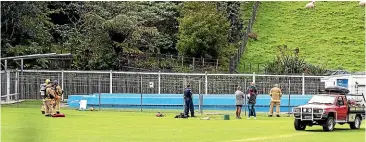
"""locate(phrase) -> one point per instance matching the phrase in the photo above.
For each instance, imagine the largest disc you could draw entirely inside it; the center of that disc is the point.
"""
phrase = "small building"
(355, 82)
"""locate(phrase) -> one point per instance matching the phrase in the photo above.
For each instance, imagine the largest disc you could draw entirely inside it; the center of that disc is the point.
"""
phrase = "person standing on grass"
(276, 95)
(252, 91)
(239, 101)
(58, 96)
(50, 95)
(188, 101)
(43, 95)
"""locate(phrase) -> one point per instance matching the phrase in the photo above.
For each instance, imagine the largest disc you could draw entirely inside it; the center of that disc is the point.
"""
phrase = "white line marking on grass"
(269, 137)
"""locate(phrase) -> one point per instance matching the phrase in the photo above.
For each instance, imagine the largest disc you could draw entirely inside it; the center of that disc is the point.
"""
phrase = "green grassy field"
(333, 34)
(24, 123)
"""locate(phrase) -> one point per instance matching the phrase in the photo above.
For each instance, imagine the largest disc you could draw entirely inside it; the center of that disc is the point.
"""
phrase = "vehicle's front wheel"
(329, 124)
(299, 125)
(356, 124)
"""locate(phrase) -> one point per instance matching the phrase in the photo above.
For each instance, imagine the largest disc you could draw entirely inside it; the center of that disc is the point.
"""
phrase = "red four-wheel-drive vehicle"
(334, 105)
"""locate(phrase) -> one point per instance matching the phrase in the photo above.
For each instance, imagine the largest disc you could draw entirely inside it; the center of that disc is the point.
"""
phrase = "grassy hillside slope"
(333, 34)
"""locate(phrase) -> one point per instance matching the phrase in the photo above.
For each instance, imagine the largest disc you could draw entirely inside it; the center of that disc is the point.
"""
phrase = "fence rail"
(143, 62)
(27, 82)
(170, 63)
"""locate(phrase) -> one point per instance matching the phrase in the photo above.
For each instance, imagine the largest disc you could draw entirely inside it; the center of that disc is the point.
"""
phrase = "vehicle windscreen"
(321, 100)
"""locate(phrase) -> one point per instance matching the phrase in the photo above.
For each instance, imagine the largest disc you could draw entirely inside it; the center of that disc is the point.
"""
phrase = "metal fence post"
(62, 84)
(289, 96)
(245, 97)
(199, 96)
(1, 74)
(21, 64)
(159, 82)
(90, 87)
(16, 84)
(184, 86)
(22, 80)
(141, 94)
(206, 90)
(254, 77)
(206, 86)
(206, 83)
(303, 83)
(217, 63)
(19, 85)
(7, 85)
(110, 82)
(99, 90)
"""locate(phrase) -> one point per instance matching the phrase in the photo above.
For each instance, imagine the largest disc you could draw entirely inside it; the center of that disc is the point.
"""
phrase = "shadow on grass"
(338, 129)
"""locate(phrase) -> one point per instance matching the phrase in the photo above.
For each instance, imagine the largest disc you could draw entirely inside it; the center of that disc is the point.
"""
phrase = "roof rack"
(335, 89)
(340, 91)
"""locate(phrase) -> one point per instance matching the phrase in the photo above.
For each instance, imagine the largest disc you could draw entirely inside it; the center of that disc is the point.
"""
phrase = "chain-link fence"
(152, 89)
(27, 83)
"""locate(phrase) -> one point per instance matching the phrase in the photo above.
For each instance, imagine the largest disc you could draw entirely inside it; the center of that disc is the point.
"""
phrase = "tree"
(233, 14)
(203, 30)
(103, 35)
(24, 30)
(163, 16)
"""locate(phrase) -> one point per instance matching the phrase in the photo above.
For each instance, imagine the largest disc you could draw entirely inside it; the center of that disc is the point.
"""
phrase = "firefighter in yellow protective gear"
(58, 96)
(43, 87)
(276, 95)
(49, 100)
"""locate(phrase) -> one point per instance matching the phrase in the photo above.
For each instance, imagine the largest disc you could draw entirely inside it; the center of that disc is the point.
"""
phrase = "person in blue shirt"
(188, 101)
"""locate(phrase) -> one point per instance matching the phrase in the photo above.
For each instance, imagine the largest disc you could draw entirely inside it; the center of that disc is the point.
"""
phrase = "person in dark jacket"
(188, 101)
(252, 91)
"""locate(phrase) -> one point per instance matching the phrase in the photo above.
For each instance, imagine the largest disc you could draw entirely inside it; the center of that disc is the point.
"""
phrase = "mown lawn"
(24, 123)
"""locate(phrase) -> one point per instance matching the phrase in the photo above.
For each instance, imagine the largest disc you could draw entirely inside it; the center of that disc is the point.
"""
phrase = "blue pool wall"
(175, 101)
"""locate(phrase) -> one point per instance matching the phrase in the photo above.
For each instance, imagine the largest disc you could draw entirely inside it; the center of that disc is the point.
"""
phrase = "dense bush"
(288, 61)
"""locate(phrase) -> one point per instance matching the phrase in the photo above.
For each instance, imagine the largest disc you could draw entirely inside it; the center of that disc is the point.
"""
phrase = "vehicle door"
(341, 108)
